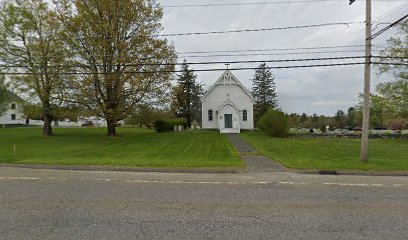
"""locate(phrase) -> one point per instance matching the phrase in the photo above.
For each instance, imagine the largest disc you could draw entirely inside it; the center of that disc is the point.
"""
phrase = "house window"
(210, 115)
(13, 106)
(13, 116)
(244, 115)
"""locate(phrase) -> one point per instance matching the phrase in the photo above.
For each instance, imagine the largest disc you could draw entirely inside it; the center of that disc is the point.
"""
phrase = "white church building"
(228, 106)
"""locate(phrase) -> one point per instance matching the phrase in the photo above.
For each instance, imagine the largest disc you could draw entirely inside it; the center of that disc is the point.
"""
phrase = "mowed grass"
(331, 153)
(134, 147)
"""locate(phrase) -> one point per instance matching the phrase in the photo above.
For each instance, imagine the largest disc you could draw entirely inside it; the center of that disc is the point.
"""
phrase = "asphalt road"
(52, 204)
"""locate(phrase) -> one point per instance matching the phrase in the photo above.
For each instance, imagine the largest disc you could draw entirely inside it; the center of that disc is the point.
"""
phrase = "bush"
(323, 128)
(275, 123)
(167, 125)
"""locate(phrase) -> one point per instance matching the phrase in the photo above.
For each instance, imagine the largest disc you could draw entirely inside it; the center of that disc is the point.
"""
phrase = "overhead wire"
(278, 49)
(391, 12)
(232, 31)
(206, 63)
(388, 27)
(210, 70)
(300, 52)
(257, 3)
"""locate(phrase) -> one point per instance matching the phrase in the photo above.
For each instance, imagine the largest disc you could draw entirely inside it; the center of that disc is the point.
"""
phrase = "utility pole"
(367, 80)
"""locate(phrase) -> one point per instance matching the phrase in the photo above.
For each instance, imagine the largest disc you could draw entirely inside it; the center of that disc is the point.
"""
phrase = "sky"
(322, 90)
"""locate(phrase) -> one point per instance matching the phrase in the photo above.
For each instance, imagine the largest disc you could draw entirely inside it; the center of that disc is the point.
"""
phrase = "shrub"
(323, 128)
(398, 124)
(167, 125)
(275, 123)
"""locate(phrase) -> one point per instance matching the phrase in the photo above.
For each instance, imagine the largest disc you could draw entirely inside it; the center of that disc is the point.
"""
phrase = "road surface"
(58, 204)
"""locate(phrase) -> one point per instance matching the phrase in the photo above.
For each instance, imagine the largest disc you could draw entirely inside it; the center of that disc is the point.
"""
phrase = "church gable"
(227, 79)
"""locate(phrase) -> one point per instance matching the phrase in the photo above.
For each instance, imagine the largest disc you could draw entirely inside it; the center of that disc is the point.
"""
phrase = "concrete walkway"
(255, 163)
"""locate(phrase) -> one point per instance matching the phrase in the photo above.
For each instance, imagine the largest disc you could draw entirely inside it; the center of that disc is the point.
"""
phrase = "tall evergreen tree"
(351, 116)
(187, 95)
(340, 118)
(264, 91)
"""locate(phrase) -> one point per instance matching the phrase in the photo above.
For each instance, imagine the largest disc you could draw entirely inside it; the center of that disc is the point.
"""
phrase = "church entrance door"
(228, 120)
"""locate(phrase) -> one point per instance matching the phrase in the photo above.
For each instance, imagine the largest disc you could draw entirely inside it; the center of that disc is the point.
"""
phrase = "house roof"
(228, 74)
(13, 97)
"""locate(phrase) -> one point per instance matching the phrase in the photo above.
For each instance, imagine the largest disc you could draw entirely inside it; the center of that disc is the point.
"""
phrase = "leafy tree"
(315, 121)
(351, 116)
(187, 95)
(323, 120)
(34, 112)
(388, 102)
(3, 97)
(340, 118)
(147, 115)
(397, 47)
(117, 47)
(394, 97)
(398, 124)
(31, 39)
(303, 119)
(264, 91)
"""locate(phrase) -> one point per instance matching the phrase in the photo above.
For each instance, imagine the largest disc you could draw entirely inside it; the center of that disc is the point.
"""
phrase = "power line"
(181, 54)
(222, 32)
(388, 27)
(270, 54)
(257, 3)
(261, 29)
(391, 12)
(207, 63)
(211, 70)
(276, 49)
(194, 63)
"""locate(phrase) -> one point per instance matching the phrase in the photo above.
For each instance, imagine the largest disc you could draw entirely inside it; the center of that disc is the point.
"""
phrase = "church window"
(13, 106)
(210, 115)
(244, 115)
(13, 116)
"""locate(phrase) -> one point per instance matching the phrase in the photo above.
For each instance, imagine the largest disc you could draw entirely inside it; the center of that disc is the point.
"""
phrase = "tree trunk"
(111, 128)
(189, 120)
(47, 117)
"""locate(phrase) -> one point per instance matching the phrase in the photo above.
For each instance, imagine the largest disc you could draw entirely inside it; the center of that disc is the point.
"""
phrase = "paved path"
(60, 204)
(255, 162)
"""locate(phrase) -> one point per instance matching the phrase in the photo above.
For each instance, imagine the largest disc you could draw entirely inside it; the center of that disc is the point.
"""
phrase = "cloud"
(310, 90)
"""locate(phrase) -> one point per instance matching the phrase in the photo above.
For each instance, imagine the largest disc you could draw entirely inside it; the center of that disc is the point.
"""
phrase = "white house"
(14, 111)
(228, 106)
(14, 114)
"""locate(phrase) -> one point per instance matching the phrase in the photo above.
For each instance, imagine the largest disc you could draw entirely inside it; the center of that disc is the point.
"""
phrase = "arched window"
(13, 106)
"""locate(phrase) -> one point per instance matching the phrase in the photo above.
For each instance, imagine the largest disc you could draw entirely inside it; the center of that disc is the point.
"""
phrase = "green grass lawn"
(331, 153)
(134, 147)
